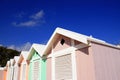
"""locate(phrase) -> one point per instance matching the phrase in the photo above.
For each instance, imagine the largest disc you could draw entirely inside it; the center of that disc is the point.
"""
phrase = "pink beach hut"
(16, 68)
(73, 56)
(5, 73)
(8, 70)
(1, 73)
(23, 65)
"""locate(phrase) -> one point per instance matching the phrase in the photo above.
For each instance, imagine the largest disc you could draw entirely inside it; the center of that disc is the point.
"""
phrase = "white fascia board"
(8, 63)
(67, 33)
(49, 43)
(12, 62)
(83, 38)
(95, 40)
(20, 58)
(16, 58)
(102, 42)
(30, 53)
(114, 46)
(37, 47)
(24, 54)
(106, 44)
(73, 35)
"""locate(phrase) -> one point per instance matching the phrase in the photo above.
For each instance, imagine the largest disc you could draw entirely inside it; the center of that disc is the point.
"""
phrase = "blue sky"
(33, 21)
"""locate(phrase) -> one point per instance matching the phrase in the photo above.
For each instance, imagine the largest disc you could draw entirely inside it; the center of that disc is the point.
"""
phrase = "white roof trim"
(8, 63)
(76, 36)
(12, 62)
(38, 48)
(73, 35)
(16, 58)
(24, 54)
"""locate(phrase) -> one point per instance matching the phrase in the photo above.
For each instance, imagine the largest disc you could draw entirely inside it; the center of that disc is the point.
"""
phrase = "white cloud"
(38, 15)
(1, 45)
(20, 15)
(11, 47)
(34, 20)
(27, 23)
(24, 47)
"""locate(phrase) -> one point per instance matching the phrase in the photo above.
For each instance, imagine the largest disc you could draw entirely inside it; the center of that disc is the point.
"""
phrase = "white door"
(63, 67)
(36, 70)
(23, 71)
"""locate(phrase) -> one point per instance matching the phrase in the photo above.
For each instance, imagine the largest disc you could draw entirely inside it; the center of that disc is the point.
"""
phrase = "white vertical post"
(53, 65)
(8, 72)
(74, 72)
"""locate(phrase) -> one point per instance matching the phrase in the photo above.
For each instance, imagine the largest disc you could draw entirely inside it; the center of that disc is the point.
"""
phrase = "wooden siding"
(27, 69)
(16, 72)
(19, 71)
(5, 74)
(8, 71)
(1, 74)
(30, 76)
(23, 72)
(36, 69)
(58, 46)
(85, 65)
(107, 62)
(43, 69)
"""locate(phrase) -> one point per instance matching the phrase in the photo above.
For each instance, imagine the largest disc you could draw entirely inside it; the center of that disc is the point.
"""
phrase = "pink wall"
(58, 46)
(107, 62)
(76, 42)
(49, 69)
(1, 75)
(5, 74)
(27, 70)
(85, 65)
(18, 73)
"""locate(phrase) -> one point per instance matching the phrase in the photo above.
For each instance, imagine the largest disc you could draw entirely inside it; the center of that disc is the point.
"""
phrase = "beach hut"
(37, 66)
(1, 73)
(73, 56)
(23, 65)
(11, 69)
(5, 73)
(8, 70)
(16, 68)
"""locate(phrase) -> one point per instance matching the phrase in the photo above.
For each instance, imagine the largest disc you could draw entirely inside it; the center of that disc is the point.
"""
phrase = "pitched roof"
(73, 35)
(38, 48)
(16, 58)
(23, 55)
(8, 63)
(12, 62)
